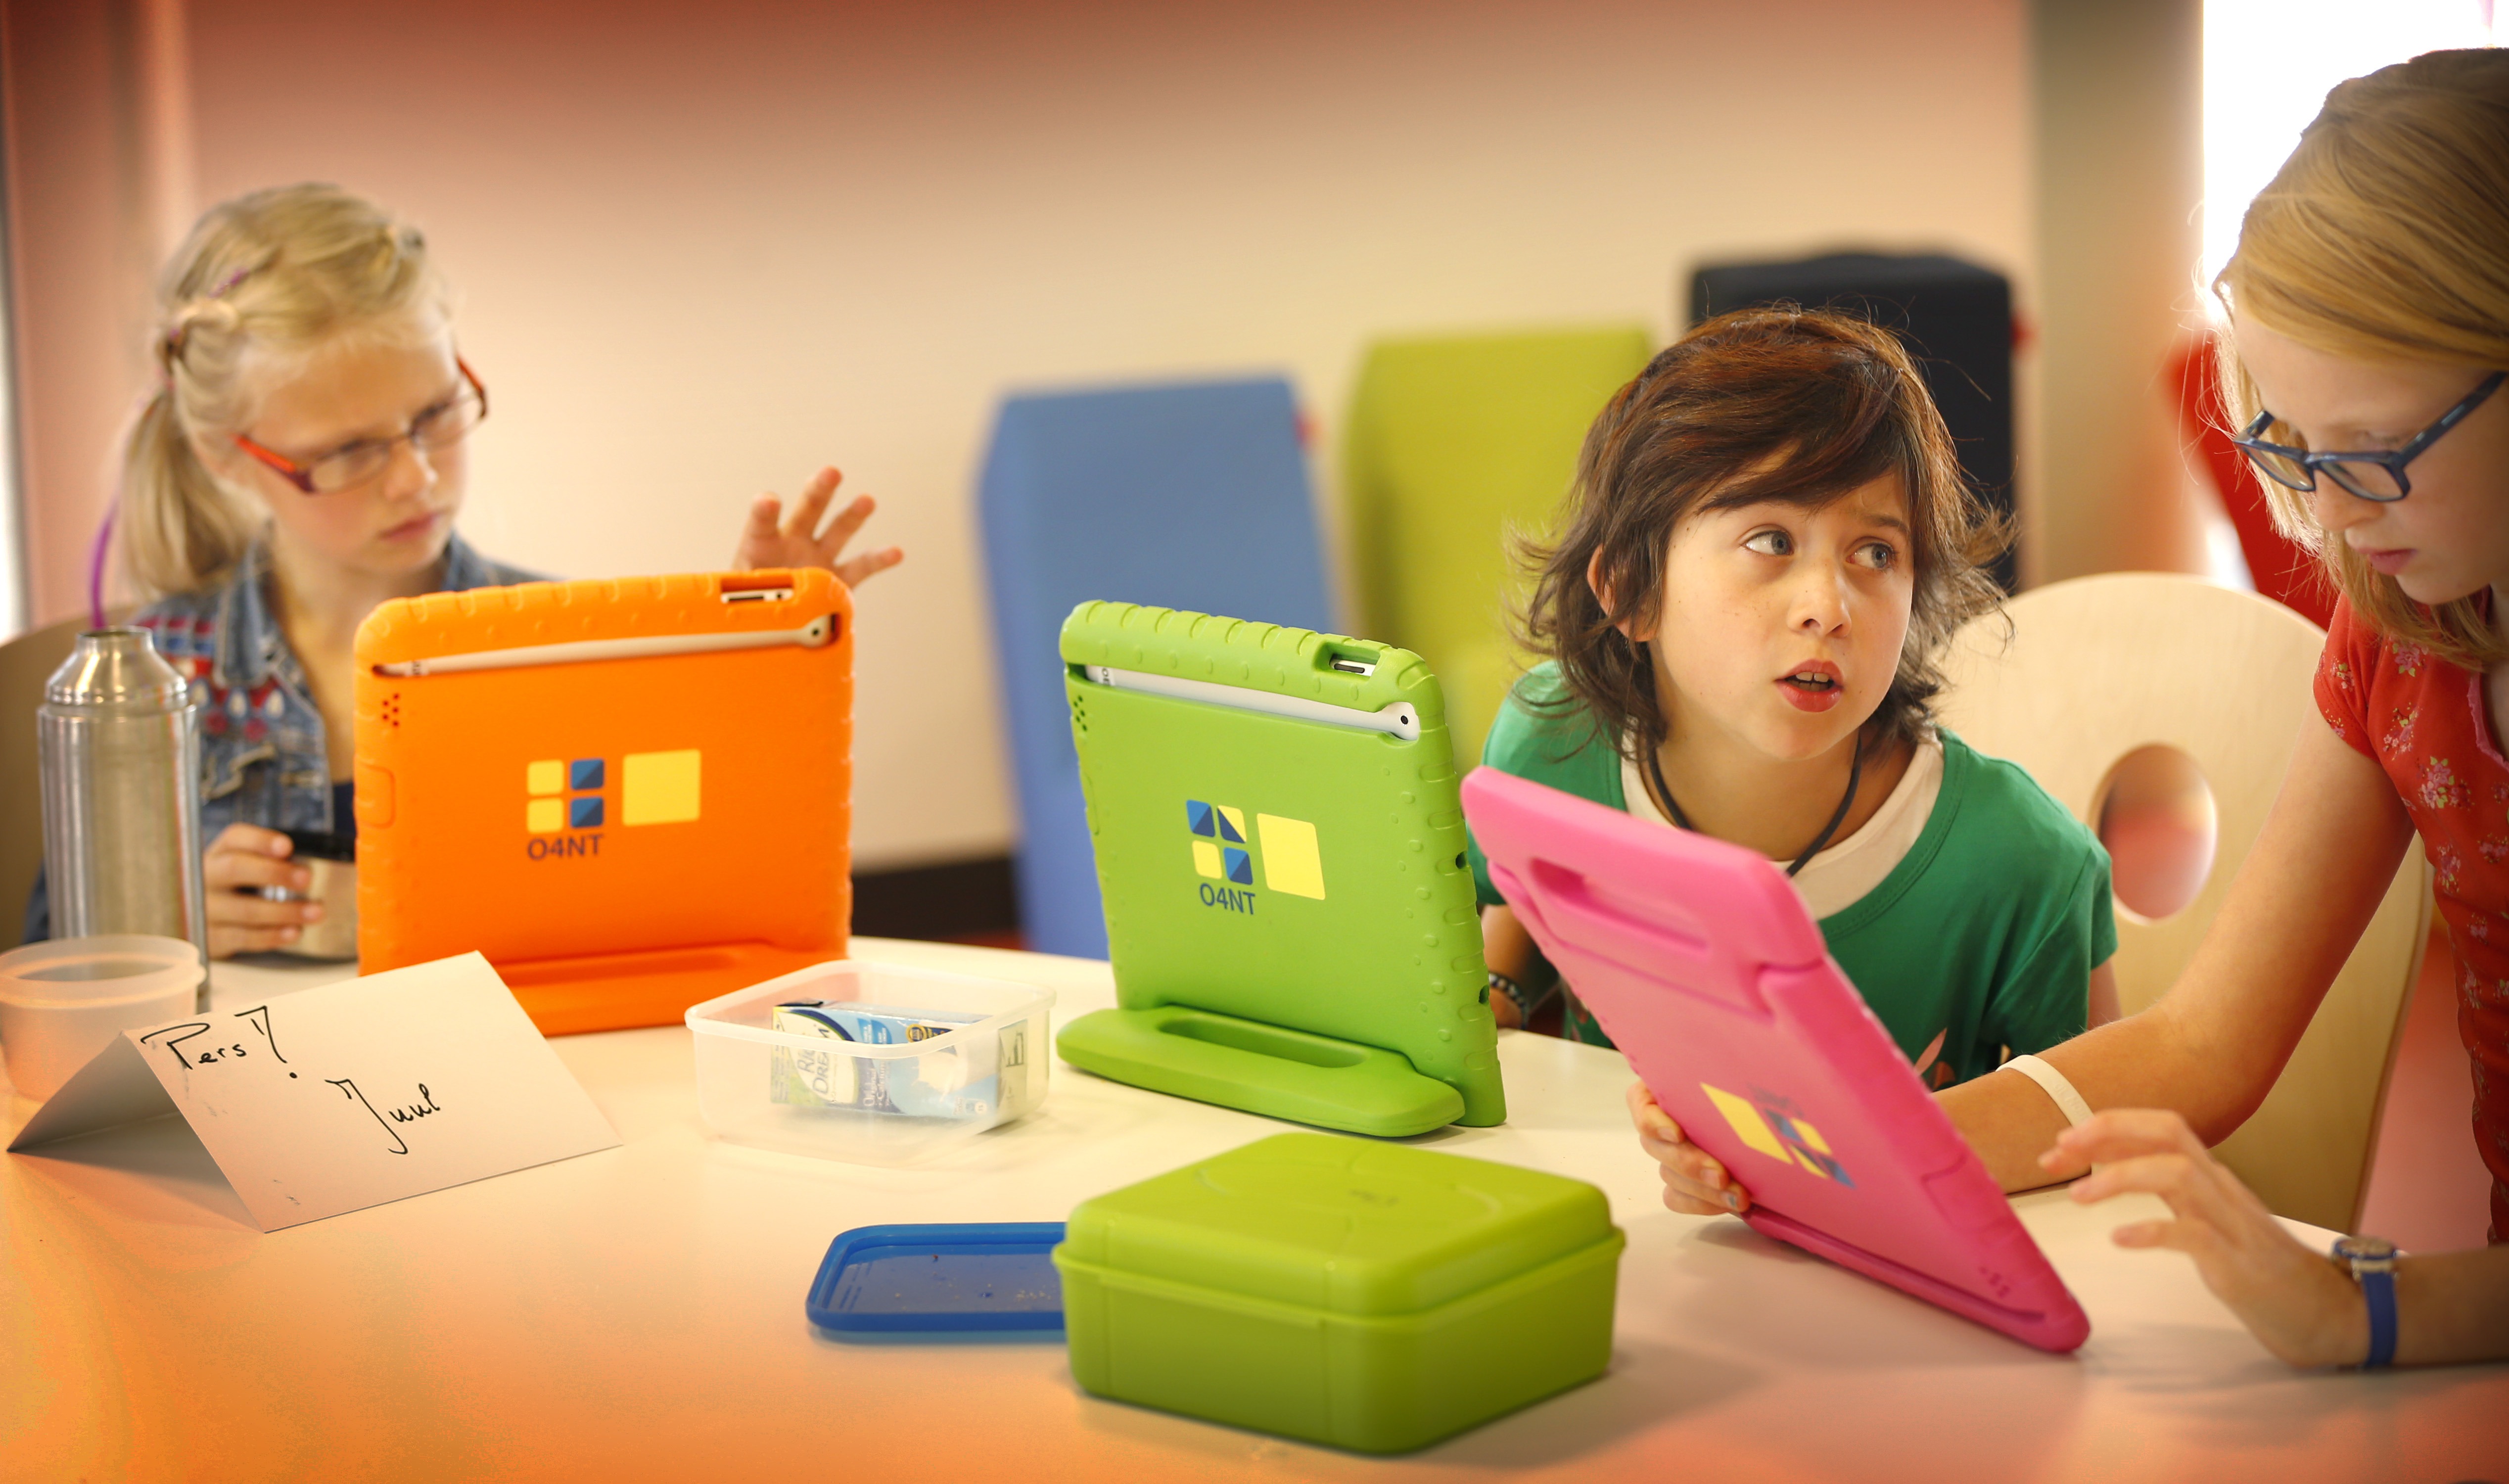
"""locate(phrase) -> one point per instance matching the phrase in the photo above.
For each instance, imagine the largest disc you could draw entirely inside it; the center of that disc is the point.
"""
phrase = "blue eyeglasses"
(2372, 476)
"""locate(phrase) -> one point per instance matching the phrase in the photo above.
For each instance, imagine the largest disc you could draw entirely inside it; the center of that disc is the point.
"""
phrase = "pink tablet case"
(1704, 969)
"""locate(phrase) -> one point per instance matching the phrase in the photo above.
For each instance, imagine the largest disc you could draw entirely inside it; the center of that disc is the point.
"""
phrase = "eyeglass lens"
(2284, 471)
(2374, 481)
(436, 427)
(2367, 478)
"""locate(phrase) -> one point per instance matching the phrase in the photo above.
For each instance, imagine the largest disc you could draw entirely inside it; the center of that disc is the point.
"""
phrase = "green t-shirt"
(1984, 935)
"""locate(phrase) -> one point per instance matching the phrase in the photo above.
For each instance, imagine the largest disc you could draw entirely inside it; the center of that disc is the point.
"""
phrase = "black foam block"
(1955, 317)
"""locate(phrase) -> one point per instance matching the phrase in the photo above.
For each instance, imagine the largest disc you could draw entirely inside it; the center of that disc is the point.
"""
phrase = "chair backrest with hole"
(25, 664)
(2169, 671)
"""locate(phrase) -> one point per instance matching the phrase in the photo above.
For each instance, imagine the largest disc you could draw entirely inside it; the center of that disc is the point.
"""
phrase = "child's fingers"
(1653, 1122)
(244, 909)
(2213, 1252)
(761, 538)
(1709, 1181)
(2166, 1175)
(2194, 1189)
(1694, 1171)
(1686, 1192)
(229, 870)
(849, 521)
(1695, 1182)
(2142, 1234)
(2121, 1133)
(253, 839)
(1688, 1199)
(868, 563)
(1656, 1126)
(814, 502)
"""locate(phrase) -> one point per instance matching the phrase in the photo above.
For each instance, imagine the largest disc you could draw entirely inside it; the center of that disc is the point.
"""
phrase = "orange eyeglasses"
(353, 463)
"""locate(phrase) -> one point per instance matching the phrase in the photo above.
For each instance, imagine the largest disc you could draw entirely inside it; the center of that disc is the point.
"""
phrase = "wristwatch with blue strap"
(2373, 1260)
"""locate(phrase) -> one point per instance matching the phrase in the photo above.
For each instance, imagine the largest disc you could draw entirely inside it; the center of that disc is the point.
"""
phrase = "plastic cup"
(63, 1002)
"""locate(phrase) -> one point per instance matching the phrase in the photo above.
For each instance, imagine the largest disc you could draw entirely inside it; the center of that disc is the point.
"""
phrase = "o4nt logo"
(568, 801)
(1224, 850)
(1764, 1124)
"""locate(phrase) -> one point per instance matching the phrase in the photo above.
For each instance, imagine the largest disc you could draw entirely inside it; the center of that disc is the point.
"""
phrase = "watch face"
(2365, 1248)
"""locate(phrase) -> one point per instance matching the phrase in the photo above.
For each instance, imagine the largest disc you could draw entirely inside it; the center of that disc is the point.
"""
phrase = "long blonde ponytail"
(2385, 236)
(261, 283)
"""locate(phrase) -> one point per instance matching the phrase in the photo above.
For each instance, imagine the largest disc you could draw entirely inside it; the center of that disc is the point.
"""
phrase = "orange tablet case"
(631, 794)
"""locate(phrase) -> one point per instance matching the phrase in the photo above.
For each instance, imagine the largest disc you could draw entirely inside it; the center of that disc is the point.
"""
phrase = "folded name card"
(344, 1097)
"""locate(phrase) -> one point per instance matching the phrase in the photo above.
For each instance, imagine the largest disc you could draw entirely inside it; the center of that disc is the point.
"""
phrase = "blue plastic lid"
(986, 1275)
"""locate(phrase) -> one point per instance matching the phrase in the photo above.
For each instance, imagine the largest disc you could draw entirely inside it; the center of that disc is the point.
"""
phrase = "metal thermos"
(120, 738)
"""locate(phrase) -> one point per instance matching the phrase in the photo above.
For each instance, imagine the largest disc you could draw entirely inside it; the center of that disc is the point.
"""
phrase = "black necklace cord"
(1838, 817)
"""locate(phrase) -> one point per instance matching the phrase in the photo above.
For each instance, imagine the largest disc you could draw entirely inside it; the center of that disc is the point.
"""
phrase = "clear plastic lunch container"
(869, 1064)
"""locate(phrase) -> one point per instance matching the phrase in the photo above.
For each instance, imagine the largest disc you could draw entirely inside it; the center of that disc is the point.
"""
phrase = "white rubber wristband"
(2052, 1083)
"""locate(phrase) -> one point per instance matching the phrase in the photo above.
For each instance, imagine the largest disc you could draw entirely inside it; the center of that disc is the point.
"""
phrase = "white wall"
(706, 249)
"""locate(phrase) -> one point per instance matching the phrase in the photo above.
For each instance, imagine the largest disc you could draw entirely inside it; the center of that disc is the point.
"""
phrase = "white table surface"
(637, 1313)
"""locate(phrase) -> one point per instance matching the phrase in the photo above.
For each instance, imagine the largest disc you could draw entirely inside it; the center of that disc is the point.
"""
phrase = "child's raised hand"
(798, 541)
(1693, 1183)
(2298, 1302)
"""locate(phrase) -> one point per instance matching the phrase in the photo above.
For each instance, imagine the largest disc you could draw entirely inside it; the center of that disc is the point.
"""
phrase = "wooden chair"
(2099, 667)
(25, 664)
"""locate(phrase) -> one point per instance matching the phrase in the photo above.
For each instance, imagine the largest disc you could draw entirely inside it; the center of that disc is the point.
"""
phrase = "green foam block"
(1369, 1296)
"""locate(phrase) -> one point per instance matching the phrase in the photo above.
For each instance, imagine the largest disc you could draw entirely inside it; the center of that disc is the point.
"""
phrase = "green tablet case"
(1287, 906)
(1369, 1296)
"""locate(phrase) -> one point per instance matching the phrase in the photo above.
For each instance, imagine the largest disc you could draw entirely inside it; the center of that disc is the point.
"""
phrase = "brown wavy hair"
(1783, 403)
(2385, 236)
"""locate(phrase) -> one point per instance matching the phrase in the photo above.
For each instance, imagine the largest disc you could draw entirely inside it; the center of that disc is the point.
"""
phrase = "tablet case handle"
(1702, 920)
(1572, 912)
(1571, 909)
(1268, 1070)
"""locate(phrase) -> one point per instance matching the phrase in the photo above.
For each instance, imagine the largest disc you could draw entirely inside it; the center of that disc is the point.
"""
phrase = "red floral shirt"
(2423, 721)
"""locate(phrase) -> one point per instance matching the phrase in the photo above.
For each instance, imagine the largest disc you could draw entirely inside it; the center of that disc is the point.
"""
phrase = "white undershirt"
(1839, 876)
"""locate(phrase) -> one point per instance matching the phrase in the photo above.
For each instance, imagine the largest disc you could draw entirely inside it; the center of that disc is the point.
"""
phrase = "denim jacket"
(264, 757)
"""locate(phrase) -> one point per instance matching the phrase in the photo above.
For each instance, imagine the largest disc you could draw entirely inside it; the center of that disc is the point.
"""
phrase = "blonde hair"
(2385, 238)
(262, 283)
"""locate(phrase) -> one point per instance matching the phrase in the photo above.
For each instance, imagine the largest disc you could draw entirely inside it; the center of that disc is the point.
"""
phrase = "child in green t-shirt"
(1767, 545)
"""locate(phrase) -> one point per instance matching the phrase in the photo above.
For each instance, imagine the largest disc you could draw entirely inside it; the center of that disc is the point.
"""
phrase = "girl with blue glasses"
(2369, 308)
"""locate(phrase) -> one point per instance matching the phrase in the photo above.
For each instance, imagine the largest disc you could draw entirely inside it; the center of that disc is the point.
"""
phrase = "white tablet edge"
(809, 636)
(1397, 719)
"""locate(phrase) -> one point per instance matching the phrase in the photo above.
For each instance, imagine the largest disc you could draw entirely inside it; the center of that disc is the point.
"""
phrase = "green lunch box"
(1369, 1296)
